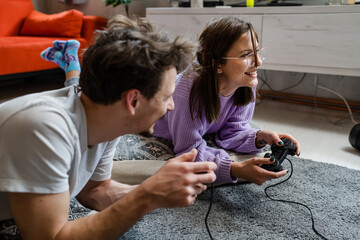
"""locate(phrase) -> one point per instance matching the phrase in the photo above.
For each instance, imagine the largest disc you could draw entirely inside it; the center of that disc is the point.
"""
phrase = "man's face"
(156, 107)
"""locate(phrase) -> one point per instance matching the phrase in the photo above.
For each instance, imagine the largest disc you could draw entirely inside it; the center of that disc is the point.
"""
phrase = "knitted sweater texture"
(231, 131)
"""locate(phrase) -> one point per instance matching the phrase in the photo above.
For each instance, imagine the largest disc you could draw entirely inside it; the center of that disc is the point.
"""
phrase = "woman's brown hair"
(214, 43)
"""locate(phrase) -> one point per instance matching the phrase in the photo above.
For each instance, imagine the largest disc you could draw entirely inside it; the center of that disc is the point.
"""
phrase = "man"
(60, 144)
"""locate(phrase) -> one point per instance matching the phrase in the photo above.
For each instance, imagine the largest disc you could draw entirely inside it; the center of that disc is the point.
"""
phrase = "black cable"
(293, 202)
(208, 212)
(271, 198)
(265, 82)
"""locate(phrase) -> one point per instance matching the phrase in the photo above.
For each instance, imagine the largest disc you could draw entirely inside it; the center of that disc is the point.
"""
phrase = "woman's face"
(239, 69)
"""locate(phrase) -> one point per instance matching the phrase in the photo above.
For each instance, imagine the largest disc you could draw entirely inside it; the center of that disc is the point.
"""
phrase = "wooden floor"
(13, 88)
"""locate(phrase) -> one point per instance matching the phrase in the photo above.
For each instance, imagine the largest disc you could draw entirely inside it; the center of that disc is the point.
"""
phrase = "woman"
(217, 96)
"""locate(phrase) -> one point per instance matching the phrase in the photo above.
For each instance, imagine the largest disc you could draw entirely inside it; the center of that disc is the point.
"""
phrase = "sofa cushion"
(12, 15)
(22, 53)
(64, 24)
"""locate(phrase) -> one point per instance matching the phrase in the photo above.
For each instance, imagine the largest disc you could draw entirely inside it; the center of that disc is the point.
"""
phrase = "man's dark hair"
(214, 43)
(130, 54)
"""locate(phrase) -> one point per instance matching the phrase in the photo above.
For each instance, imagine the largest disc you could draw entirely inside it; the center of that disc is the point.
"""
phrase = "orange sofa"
(24, 33)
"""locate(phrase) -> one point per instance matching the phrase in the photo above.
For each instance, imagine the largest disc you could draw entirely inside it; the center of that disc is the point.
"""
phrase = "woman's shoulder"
(184, 82)
(188, 75)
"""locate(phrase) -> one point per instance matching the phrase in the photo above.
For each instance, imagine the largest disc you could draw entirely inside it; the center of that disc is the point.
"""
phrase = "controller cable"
(208, 212)
(271, 198)
(293, 202)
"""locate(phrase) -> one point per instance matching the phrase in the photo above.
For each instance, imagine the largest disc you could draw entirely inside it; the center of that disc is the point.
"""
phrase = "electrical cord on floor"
(316, 83)
(208, 212)
(271, 198)
(265, 82)
(293, 202)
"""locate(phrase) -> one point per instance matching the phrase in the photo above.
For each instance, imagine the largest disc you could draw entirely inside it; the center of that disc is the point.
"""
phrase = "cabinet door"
(191, 26)
(326, 42)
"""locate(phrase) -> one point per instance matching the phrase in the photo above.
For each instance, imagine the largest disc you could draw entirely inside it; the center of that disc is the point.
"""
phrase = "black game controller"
(279, 153)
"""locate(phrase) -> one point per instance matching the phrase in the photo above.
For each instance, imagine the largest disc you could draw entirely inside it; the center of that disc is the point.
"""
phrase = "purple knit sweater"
(232, 129)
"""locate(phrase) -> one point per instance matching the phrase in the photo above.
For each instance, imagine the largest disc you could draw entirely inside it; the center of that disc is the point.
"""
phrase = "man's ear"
(132, 100)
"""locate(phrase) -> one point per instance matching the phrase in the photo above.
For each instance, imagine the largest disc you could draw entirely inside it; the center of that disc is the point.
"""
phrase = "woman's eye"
(246, 55)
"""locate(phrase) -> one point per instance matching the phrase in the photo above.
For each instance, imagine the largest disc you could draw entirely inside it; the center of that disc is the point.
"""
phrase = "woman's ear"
(132, 100)
(219, 66)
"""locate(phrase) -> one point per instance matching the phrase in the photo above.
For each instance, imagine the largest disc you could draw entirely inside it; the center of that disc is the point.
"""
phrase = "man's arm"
(44, 216)
(98, 195)
(176, 184)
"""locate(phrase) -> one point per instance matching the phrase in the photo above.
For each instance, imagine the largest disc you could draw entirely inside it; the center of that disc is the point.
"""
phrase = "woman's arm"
(187, 134)
(237, 133)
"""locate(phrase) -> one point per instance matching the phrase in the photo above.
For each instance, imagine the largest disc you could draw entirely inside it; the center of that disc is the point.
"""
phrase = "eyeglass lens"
(251, 59)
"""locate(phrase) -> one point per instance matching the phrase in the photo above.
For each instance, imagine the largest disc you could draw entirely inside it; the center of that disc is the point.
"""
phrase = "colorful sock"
(59, 45)
(70, 56)
(48, 54)
(64, 54)
(52, 55)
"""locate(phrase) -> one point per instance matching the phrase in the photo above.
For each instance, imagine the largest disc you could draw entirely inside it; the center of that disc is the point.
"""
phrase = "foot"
(52, 55)
(71, 56)
(64, 54)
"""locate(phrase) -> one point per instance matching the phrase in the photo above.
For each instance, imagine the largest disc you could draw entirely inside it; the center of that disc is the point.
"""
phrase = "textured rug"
(243, 211)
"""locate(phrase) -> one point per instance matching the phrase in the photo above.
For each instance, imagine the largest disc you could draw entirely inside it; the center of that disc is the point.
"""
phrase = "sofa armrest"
(90, 24)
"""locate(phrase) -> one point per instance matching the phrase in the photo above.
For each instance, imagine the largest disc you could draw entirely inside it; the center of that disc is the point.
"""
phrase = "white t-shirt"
(43, 146)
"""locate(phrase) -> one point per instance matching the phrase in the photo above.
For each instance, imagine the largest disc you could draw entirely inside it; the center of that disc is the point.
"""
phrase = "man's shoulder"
(55, 99)
(38, 106)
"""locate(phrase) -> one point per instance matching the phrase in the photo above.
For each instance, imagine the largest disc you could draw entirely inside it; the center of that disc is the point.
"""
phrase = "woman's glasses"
(249, 57)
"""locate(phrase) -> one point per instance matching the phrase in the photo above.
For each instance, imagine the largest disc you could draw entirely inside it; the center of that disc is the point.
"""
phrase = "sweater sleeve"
(237, 133)
(187, 134)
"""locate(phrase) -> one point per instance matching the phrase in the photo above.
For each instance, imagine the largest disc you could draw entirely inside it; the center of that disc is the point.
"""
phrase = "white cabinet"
(319, 43)
(315, 39)
(191, 25)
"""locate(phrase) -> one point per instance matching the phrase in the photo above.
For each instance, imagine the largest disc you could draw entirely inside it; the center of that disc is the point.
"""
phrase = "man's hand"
(251, 171)
(179, 181)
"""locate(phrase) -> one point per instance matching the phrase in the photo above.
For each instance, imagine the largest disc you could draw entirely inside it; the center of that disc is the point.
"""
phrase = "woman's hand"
(269, 137)
(251, 171)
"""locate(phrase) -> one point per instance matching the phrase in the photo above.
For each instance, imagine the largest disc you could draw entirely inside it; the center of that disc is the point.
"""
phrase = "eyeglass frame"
(249, 56)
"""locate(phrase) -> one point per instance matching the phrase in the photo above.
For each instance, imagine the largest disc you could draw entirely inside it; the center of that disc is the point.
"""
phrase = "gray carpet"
(243, 211)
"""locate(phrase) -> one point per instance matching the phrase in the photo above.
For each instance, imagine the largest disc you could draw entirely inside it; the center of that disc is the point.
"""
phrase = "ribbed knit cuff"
(224, 175)
(250, 142)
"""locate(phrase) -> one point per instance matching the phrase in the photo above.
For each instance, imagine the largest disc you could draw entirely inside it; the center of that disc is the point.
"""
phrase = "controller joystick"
(279, 153)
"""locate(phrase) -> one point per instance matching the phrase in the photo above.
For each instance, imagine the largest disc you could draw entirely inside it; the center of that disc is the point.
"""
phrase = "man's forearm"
(99, 196)
(112, 222)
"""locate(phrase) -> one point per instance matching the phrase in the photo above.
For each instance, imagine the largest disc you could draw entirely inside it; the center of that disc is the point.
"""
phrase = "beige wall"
(98, 8)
